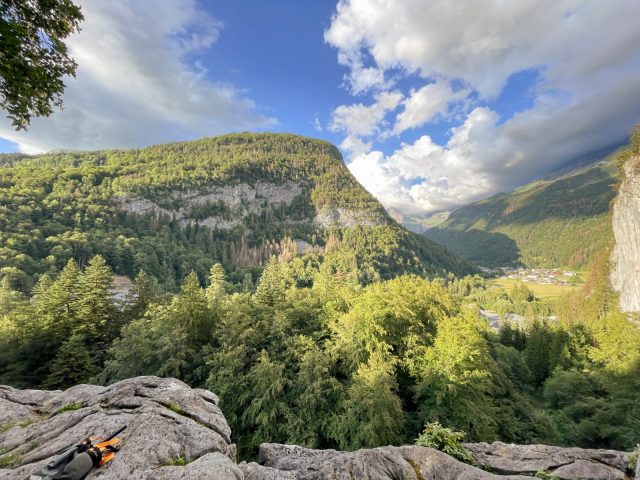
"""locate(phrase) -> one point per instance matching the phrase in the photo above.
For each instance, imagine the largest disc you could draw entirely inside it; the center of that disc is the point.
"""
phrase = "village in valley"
(543, 282)
(540, 276)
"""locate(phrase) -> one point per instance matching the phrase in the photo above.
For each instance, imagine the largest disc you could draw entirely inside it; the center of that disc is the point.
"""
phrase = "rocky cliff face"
(625, 275)
(176, 432)
(241, 200)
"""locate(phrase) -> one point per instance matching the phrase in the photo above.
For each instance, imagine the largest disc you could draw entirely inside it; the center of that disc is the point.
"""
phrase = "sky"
(433, 103)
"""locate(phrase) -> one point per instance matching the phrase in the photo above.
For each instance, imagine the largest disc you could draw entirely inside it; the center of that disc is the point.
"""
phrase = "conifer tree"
(272, 285)
(55, 303)
(372, 413)
(537, 352)
(72, 365)
(192, 310)
(141, 294)
(267, 409)
(94, 304)
(216, 288)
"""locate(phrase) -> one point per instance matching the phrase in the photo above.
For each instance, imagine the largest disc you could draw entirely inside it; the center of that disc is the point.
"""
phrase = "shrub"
(446, 440)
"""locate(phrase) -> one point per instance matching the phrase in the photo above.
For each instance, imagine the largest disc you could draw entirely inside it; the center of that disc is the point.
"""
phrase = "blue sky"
(432, 105)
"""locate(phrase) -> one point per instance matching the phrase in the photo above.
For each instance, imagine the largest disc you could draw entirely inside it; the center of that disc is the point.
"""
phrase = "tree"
(314, 394)
(216, 288)
(273, 284)
(267, 408)
(94, 304)
(34, 57)
(455, 380)
(634, 140)
(537, 353)
(72, 364)
(372, 414)
(141, 294)
(191, 311)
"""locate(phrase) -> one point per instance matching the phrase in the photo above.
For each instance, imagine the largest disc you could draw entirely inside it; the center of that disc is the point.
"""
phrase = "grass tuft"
(68, 408)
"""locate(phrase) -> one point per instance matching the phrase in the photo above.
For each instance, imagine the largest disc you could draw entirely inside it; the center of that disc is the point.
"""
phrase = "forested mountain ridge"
(561, 220)
(169, 209)
(315, 356)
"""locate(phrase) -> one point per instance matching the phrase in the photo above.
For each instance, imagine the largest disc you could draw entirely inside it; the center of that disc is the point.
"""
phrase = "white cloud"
(316, 123)
(136, 83)
(425, 104)
(587, 93)
(360, 121)
(363, 120)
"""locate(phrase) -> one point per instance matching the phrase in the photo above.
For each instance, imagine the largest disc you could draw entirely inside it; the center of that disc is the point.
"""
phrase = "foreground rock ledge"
(168, 421)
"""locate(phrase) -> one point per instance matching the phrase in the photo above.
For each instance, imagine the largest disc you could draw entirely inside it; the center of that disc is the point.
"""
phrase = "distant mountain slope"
(558, 221)
(169, 209)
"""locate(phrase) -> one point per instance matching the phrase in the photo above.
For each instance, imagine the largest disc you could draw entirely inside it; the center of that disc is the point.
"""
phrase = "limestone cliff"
(625, 274)
(176, 432)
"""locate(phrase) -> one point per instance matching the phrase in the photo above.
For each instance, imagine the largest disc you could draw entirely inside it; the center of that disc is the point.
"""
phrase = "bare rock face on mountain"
(176, 432)
(625, 276)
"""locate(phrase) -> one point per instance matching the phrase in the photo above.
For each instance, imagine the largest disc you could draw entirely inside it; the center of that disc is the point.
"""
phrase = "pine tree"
(9, 298)
(272, 285)
(267, 408)
(141, 294)
(94, 305)
(216, 288)
(192, 310)
(372, 414)
(538, 350)
(56, 305)
(72, 364)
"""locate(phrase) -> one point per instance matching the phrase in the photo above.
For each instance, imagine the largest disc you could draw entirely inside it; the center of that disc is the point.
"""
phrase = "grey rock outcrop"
(383, 463)
(625, 275)
(348, 218)
(564, 463)
(166, 420)
(240, 200)
(176, 432)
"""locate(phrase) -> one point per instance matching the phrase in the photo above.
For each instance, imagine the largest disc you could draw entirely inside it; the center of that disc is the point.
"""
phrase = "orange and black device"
(101, 448)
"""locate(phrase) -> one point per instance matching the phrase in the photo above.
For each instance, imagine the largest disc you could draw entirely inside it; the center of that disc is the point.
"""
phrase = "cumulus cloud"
(137, 83)
(425, 104)
(586, 96)
(360, 121)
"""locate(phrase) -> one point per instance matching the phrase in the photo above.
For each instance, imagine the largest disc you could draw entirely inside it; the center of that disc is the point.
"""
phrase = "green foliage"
(9, 460)
(315, 357)
(446, 440)
(633, 458)
(71, 205)
(34, 56)
(180, 461)
(174, 407)
(561, 221)
(69, 408)
(72, 364)
(455, 380)
(545, 475)
(372, 413)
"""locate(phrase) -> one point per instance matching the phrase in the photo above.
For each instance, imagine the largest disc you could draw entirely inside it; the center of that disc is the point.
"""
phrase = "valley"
(255, 266)
(559, 221)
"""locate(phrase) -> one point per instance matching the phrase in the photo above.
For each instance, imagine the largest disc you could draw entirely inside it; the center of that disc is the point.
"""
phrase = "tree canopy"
(34, 58)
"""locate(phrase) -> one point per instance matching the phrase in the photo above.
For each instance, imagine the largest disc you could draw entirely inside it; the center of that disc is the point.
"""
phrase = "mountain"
(561, 220)
(169, 209)
(625, 258)
(418, 223)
